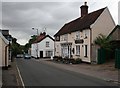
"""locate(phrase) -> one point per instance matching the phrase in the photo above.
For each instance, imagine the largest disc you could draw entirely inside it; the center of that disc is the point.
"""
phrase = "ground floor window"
(49, 53)
(77, 49)
(66, 50)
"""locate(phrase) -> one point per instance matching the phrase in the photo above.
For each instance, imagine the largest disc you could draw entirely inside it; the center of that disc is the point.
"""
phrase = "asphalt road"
(36, 73)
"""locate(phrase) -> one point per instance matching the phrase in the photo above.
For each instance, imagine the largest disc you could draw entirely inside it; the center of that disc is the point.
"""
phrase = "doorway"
(41, 54)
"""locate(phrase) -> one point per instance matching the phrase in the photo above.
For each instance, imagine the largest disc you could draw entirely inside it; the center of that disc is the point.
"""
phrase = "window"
(65, 37)
(85, 51)
(49, 53)
(57, 38)
(47, 44)
(77, 49)
(77, 35)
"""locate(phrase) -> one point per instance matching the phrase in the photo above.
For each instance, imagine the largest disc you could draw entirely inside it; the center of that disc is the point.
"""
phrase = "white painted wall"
(33, 50)
(103, 25)
(1, 52)
(3, 43)
(57, 49)
(42, 47)
(71, 39)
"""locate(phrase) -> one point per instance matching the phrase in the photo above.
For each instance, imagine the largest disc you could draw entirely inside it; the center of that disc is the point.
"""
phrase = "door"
(41, 54)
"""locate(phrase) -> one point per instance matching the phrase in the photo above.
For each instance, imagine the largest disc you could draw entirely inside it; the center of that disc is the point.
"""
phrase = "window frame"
(47, 44)
(77, 50)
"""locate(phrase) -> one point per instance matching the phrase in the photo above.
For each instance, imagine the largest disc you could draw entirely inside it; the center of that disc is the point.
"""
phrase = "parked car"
(19, 56)
(27, 56)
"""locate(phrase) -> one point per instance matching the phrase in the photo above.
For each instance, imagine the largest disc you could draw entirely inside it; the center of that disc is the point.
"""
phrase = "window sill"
(77, 55)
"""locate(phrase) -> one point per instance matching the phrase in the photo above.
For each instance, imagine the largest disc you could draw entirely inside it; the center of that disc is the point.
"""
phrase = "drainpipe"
(90, 44)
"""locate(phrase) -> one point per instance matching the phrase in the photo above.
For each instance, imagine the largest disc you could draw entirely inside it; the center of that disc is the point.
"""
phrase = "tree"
(16, 48)
(28, 45)
(103, 42)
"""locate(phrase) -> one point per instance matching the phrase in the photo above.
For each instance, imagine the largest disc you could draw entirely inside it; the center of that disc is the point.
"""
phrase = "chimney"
(84, 9)
(44, 33)
(5, 32)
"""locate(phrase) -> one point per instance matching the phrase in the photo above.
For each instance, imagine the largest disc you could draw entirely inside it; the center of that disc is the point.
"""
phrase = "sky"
(20, 16)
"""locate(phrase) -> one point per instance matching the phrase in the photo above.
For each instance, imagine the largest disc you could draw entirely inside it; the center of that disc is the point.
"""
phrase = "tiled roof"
(80, 23)
(118, 26)
(41, 37)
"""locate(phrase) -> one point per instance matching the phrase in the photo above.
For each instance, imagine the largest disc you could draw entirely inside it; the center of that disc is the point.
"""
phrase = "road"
(38, 73)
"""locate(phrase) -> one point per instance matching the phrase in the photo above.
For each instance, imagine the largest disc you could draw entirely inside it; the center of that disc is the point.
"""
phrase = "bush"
(57, 58)
(78, 61)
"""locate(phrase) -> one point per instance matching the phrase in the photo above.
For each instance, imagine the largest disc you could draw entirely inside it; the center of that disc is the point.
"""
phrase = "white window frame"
(47, 44)
(49, 53)
(77, 35)
(65, 37)
(77, 49)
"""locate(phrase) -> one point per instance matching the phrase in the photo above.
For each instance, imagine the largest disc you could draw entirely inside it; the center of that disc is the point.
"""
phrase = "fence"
(117, 58)
(101, 56)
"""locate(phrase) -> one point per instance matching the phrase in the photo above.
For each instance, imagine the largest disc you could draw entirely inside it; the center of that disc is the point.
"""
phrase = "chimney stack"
(84, 9)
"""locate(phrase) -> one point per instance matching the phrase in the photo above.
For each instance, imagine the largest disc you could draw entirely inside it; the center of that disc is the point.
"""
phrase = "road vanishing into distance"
(39, 73)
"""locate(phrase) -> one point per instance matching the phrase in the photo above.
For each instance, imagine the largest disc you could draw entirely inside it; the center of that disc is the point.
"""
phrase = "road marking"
(20, 77)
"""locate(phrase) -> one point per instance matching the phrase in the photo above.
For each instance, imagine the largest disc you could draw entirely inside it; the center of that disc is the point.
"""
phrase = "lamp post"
(37, 42)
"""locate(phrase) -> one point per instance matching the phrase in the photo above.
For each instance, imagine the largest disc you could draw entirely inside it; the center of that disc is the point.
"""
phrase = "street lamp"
(37, 42)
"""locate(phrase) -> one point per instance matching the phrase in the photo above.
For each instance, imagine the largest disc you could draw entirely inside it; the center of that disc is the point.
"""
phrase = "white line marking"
(20, 76)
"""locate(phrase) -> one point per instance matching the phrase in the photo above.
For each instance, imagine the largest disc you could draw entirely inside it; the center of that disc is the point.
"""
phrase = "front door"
(41, 54)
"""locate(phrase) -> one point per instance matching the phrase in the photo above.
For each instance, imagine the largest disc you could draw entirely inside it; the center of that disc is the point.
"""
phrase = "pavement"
(106, 71)
(10, 77)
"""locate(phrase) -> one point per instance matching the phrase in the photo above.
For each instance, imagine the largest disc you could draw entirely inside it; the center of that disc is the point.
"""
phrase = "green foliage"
(78, 61)
(103, 42)
(33, 38)
(19, 49)
(15, 47)
(28, 45)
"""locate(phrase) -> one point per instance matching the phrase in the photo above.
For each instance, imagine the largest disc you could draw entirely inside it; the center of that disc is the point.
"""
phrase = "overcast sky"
(19, 16)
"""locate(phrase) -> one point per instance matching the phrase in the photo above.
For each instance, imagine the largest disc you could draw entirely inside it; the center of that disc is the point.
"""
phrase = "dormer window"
(57, 38)
(77, 35)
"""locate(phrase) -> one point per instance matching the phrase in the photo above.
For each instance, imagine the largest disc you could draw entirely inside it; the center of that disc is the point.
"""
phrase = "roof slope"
(42, 37)
(80, 23)
(3, 38)
(118, 26)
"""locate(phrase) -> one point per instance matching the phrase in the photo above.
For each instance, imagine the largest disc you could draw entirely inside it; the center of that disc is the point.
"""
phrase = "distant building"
(114, 36)
(76, 38)
(43, 46)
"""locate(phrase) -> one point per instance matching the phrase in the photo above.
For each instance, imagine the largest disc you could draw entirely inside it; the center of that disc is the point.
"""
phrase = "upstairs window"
(57, 38)
(65, 37)
(47, 44)
(77, 35)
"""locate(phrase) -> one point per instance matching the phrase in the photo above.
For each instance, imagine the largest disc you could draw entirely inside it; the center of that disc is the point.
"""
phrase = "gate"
(101, 56)
(117, 58)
